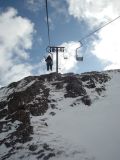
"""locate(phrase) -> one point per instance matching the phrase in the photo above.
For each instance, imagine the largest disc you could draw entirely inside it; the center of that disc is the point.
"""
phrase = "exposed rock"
(74, 87)
(41, 155)
(58, 85)
(46, 147)
(52, 113)
(49, 156)
(30, 97)
(86, 100)
(3, 113)
(2, 104)
(53, 106)
(99, 90)
(33, 147)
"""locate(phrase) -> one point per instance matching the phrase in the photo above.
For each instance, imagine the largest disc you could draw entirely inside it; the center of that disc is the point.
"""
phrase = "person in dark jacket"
(49, 63)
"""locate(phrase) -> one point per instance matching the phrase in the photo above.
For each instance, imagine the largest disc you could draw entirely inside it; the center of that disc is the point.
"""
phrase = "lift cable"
(85, 37)
(47, 22)
(99, 29)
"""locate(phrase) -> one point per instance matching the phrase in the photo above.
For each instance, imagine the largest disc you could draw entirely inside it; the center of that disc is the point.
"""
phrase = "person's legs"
(47, 67)
(51, 67)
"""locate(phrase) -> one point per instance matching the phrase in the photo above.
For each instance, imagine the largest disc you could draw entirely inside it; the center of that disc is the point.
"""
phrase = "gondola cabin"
(79, 56)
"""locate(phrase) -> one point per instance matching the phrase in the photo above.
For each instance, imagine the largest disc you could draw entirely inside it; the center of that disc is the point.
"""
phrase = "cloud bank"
(107, 48)
(15, 39)
(66, 61)
(94, 12)
(97, 13)
(35, 5)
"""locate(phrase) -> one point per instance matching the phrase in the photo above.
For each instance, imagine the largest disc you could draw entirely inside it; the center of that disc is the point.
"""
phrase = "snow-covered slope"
(61, 117)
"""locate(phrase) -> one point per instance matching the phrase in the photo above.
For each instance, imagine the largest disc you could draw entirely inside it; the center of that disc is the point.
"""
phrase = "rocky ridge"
(31, 97)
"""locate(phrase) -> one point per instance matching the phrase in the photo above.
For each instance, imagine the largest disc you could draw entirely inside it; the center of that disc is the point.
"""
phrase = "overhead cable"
(47, 22)
(99, 28)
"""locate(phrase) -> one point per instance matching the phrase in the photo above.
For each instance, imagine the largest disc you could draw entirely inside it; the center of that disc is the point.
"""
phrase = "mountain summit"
(61, 117)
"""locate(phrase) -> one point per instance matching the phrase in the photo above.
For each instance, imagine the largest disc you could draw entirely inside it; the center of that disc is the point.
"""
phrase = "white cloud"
(15, 38)
(68, 65)
(59, 8)
(35, 5)
(94, 12)
(65, 65)
(108, 48)
(97, 13)
(17, 72)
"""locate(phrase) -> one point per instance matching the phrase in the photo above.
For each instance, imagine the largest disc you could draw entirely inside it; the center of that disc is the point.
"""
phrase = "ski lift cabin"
(65, 54)
(79, 56)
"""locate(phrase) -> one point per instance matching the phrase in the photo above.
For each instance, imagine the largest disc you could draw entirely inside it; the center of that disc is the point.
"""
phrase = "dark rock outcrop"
(30, 97)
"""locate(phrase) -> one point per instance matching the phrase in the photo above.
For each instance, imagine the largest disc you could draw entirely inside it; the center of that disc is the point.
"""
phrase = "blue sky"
(23, 36)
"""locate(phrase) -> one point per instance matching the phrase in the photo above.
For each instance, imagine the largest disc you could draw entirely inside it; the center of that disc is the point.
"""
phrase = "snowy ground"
(95, 128)
(80, 132)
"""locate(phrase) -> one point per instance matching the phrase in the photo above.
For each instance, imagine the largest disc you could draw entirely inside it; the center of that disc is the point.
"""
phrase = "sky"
(24, 38)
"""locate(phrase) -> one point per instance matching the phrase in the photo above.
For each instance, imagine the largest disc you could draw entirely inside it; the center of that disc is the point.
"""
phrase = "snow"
(4, 93)
(3, 150)
(22, 86)
(6, 107)
(8, 129)
(95, 128)
(80, 132)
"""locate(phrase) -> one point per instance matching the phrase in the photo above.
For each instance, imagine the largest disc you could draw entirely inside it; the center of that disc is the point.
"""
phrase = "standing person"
(49, 63)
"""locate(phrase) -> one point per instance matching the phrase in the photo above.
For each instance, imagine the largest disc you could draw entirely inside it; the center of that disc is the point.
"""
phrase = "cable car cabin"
(79, 56)
(65, 55)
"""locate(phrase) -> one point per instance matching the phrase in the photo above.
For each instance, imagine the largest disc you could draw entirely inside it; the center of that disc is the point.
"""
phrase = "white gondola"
(79, 56)
(65, 54)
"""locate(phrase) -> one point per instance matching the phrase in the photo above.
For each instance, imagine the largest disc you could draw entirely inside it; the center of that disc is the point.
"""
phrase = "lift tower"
(57, 50)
